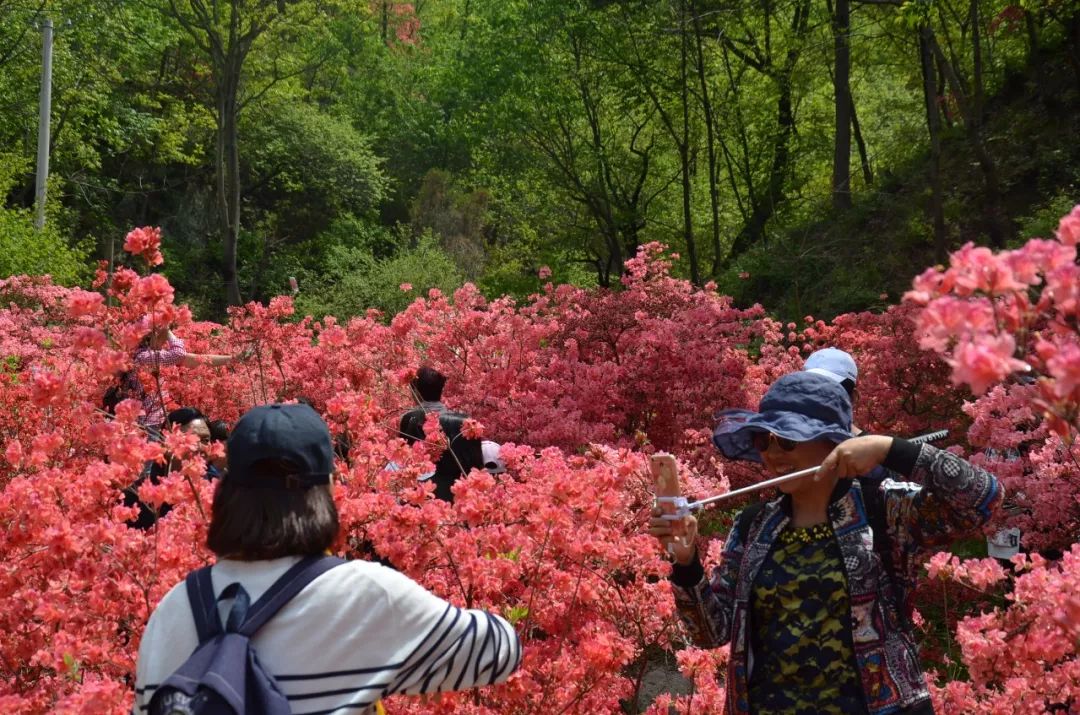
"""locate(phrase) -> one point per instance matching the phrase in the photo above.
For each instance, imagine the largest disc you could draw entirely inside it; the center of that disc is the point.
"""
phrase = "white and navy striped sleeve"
(456, 648)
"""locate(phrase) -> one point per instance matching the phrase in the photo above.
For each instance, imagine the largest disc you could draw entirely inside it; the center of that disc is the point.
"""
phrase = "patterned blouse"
(944, 497)
(156, 397)
(801, 617)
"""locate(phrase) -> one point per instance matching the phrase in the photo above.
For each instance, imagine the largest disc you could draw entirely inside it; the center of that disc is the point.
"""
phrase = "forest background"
(813, 156)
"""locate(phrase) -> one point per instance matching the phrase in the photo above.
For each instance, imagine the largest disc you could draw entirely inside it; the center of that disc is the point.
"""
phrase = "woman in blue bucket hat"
(813, 590)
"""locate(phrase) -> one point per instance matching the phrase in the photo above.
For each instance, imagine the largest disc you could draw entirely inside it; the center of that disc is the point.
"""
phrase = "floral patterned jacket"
(951, 496)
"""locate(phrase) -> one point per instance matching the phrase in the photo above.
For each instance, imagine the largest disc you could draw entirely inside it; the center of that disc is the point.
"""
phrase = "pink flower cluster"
(580, 386)
(1006, 323)
(1022, 657)
(145, 242)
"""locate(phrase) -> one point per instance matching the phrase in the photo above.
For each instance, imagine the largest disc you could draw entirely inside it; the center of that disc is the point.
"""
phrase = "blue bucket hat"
(800, 406)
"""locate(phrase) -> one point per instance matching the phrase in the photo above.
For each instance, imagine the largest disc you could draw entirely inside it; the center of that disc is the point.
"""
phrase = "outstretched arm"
(950, 495)
(454, 648)
(705, 605)
(956, 496)
(192, 360)
(170, 350)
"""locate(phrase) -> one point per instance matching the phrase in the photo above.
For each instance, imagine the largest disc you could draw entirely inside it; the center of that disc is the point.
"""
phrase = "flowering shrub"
(580, 386)
(1007, 324)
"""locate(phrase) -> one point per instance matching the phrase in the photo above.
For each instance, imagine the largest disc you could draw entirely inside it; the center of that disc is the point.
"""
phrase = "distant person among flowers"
(186, 419)
(161, 348)
(464, 454)
(840, 367)
(814, 588)
(353, 633)
(493, 461)
(219, 434)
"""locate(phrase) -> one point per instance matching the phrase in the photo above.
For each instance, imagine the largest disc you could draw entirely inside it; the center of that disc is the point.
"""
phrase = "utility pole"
(44, 109)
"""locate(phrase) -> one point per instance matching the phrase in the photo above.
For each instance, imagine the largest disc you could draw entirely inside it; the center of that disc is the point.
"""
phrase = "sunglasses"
(761, 440)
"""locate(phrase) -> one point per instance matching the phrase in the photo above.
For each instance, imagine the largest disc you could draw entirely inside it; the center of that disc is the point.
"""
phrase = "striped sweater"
(358, 633)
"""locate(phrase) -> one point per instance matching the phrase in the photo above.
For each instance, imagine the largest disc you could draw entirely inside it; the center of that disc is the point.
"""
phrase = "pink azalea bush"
(580, 386)
(1007, 323)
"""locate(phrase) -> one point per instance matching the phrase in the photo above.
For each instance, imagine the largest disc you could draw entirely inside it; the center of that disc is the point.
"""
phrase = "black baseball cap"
(291, 433)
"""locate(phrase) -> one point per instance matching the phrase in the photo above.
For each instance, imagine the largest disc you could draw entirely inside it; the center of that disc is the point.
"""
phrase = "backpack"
(223, 676)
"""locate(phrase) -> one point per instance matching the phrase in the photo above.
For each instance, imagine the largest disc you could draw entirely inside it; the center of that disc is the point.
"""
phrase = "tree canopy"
(811, 155)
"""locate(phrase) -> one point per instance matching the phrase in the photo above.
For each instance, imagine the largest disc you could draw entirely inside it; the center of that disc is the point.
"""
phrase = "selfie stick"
(684, 507)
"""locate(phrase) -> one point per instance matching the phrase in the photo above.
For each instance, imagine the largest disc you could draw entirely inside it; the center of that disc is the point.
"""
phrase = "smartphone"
(666, 473)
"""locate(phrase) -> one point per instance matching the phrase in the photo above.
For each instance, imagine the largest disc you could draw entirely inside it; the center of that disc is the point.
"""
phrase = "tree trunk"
(710, 142)
(753, 230)
(1072, 31)
(976, 61)
(1032, 30)
(684, 152)
(764, 206)
(232, 241)
(933, 125)
(221, 183)
(864, 158)
(995, 228)
(841, 178)
(229, 175)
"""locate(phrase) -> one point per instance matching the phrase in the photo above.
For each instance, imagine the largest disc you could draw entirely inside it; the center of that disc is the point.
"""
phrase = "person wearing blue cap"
(348, 633)
(838, 366)
(814, 588)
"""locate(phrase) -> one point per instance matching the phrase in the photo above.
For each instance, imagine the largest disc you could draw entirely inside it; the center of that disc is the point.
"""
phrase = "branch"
(754, 61)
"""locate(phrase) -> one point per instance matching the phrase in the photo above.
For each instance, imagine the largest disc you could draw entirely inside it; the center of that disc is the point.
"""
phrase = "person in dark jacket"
(464, 454)
(187, 419)
(814, 589)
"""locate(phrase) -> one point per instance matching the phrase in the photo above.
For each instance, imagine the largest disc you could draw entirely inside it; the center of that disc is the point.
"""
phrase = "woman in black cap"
(813, 591)
(355, 633)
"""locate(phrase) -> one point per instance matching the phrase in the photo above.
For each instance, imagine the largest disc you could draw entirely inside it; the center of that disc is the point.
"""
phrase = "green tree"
(353, 279)
(24, 250)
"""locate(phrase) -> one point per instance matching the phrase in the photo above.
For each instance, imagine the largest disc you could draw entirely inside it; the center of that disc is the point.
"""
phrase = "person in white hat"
(493, 463)
(838, 366)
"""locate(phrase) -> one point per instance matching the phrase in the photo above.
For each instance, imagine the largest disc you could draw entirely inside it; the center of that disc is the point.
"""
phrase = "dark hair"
(849, 385)
(125, 386)
(257, 523)
(219, 431)
(429, 384)
(184, 415)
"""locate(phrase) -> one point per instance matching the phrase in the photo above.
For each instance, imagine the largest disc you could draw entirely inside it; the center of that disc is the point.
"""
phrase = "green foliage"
(516, 614)
(309, 167)
(353, 279)
(26, 250)
(1044, 220)
(534, 133)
